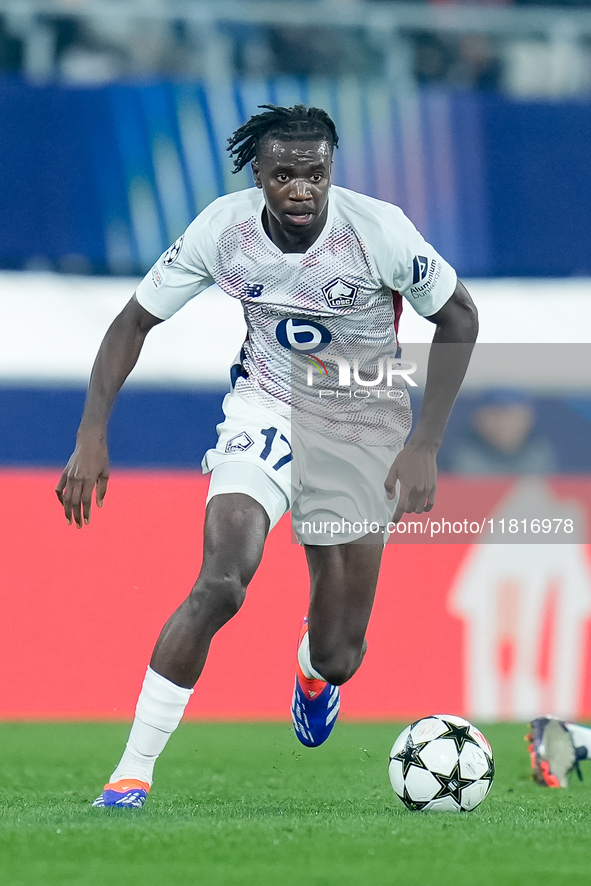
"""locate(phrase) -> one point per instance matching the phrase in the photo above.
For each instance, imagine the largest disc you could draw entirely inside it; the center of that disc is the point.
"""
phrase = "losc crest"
(340, 294)
(240, 443)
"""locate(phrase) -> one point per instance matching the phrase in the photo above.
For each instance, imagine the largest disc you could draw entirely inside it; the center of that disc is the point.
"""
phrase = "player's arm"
(415, 466)
(89, 463)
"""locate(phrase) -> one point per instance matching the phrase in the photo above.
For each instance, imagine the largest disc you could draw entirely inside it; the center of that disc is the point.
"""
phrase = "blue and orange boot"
(552, 752)
(129, 793)
(315, 705)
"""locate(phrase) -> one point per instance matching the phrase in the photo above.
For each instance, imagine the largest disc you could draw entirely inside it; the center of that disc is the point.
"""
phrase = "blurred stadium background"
(476, 119)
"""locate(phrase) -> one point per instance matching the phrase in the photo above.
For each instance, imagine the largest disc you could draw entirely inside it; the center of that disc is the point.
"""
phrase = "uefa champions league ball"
(441, 763)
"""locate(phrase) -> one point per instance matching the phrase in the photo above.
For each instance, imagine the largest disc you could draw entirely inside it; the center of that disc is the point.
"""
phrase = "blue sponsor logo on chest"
(303, 336)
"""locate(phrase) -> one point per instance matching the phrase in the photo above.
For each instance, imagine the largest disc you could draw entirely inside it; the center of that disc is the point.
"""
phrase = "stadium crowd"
(77, 45)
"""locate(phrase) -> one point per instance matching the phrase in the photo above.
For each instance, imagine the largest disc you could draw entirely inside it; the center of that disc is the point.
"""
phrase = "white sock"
(304, 660)
(581, 736)
(159, 710)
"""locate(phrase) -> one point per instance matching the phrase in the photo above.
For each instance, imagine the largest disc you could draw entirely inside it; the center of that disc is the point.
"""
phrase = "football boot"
(129, 793)
(315, 705)
(552, 752)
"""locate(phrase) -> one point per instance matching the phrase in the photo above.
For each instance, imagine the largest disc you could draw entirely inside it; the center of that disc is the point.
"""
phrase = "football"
(441, 763)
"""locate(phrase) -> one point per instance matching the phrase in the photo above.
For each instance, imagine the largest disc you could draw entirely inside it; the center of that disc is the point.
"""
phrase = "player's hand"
(415, 468)
(88, 467)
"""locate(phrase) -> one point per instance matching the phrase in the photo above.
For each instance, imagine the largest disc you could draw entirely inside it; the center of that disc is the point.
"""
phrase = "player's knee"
(219, 597)
(338, 666)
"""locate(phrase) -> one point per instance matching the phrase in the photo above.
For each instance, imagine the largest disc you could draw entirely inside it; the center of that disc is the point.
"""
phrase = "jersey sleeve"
(413, 267)
(181, 273)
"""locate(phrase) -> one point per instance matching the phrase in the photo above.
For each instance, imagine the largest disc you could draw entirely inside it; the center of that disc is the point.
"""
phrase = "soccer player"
(556, 748)
(313, 266)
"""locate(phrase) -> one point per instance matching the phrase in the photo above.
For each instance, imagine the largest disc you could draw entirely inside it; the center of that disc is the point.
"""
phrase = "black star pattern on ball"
(490, 772)
(413, 805)
(452, 785)
(460, 734)
(409, 756)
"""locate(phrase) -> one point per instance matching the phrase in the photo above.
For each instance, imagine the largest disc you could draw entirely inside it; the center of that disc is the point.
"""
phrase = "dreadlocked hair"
(288, 123)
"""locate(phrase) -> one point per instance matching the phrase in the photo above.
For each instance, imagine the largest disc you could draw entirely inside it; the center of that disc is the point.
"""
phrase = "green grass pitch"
(246, 804)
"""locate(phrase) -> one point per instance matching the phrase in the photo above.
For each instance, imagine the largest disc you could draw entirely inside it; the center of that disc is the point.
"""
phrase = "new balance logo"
(253, 290)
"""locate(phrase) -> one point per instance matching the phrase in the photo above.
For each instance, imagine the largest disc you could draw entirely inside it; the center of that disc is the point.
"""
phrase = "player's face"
(295, 178)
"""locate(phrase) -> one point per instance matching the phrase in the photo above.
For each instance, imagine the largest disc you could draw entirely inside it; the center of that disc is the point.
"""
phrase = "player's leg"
(340, 498)
(249, 492)
(343, 582)
(234, 535)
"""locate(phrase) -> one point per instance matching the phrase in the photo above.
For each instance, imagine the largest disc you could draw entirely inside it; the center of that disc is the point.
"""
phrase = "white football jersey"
(343, 295)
